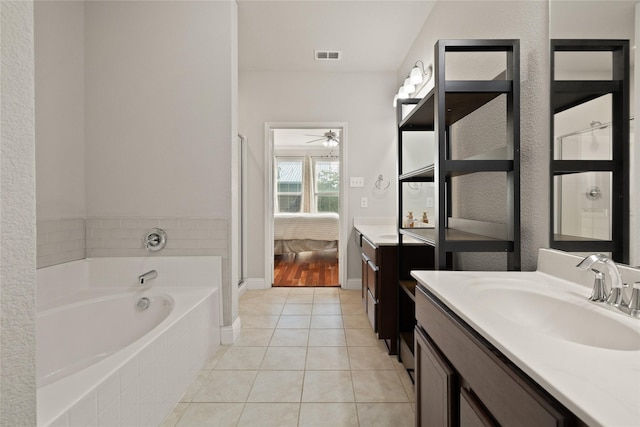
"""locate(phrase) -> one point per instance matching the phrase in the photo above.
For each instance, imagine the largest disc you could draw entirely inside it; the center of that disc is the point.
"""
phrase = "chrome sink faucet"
(616, 297)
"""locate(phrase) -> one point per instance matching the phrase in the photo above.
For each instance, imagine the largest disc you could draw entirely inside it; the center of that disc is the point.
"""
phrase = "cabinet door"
(472, 414)
(435, 385)
(372, 311)
(372, 279)
(365, 268)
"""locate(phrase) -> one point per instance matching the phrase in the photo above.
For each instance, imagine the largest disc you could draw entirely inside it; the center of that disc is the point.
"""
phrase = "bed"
(301, 232)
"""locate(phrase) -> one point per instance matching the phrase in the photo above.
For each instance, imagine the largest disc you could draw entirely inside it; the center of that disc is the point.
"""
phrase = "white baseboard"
(229, 334)
(242, 288)
(256, 283)
(354, 284)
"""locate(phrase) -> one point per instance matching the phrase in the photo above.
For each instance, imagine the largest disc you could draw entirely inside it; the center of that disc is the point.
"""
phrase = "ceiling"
(375, 35)
(372, 35)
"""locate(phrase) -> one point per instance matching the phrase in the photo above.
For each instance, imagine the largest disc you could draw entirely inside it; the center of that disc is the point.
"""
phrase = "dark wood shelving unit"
(447, 103)
(567, 94)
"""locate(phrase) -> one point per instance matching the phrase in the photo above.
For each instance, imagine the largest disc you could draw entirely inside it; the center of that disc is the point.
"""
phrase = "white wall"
(160, 121)
(363, 101)
(59, 77)
(158, 89)
(17, 213)
(527, 21)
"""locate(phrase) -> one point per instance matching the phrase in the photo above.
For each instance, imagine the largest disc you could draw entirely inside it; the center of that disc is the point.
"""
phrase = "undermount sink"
(560, 314)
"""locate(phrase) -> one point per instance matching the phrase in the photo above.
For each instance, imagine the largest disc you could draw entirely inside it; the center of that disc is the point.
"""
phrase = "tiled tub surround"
(60, 240)
(122, 236)
(140, 383)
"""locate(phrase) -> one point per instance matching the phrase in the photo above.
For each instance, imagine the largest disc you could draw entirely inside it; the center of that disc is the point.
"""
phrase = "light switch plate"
(357, 181)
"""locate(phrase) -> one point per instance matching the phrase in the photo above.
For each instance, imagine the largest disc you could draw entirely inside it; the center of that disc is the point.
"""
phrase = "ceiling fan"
(330, 139)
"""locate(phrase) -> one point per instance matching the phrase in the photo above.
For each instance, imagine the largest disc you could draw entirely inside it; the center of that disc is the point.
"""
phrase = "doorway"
(305, 205)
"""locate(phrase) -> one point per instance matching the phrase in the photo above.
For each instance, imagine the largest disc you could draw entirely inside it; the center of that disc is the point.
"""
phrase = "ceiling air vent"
(328, 55)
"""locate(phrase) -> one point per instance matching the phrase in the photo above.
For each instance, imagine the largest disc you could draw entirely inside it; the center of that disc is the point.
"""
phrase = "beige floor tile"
(386, 414)
(289, 338)
(328, 386)
(270, 415)
(361, 338)
(378, 386)
(293, 322)
(355, 308)
(261, 308)
(300, 298)
(279, 290)
(215, 357)
(277, 386)
(370, 359)
(326, 299)
(174, 416)
(327, 338)
(236, 358)
(252, 337)
(267, 321)
(302, 290)
(408, 385)
(327, 358)
(211, 414)
(262, 297)
(351, 297)
(328, 415)
(326, 321)
(226, 386)
(284, 359)
(330, 290)
(297, 309)
(194, 387)
(326, 309)
(356, 321)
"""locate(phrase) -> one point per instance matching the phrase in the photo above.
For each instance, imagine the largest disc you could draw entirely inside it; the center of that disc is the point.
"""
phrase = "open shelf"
(462, 97)
(568, 94)
(409, 288)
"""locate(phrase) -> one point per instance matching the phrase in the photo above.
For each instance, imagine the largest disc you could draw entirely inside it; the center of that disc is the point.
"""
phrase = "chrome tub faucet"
(149, 275)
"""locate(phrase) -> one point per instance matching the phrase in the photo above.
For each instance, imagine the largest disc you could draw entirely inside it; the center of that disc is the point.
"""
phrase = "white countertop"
(383, 234)
(599, 385)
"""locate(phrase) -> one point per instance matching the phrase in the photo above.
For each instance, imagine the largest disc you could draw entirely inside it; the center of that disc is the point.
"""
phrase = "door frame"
(269, 127)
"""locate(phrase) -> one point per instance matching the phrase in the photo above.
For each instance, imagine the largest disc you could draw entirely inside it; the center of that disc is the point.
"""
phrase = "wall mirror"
(591, 133)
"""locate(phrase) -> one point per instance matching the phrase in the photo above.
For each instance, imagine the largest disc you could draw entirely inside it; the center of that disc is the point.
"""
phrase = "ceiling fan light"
(331, 143)
(395, 101)
(415, 76)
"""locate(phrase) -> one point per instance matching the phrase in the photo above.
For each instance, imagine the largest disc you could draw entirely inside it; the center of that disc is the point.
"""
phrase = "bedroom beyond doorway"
(306, 206)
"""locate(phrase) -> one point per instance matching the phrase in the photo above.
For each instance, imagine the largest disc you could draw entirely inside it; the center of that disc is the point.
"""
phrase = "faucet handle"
(633, 307)
(598, 294)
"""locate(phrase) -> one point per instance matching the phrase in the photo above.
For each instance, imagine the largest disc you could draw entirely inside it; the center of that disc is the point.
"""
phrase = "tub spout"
(149, 275)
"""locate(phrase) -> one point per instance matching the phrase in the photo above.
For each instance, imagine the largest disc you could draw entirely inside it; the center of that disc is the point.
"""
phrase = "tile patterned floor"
(305, 357)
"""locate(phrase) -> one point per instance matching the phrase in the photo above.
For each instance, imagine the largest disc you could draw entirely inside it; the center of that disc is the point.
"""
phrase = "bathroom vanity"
(378, 244)
(524, 348)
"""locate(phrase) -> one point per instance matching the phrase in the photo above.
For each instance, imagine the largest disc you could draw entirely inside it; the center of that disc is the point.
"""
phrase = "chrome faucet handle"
(598, 294)
(633, 308)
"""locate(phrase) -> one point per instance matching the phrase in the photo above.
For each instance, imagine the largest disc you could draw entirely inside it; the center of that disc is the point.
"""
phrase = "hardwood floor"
(306, 269)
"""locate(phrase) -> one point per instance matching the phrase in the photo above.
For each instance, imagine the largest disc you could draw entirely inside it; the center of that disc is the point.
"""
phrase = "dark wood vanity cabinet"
(380, 283)
(461, 379)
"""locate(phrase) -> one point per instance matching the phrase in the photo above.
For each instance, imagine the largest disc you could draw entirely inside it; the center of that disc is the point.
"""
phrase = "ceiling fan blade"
(306, 134)
(321, 139)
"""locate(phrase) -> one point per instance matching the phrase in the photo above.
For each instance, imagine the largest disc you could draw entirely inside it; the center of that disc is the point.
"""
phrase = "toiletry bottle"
(425, 218)
(410, 219)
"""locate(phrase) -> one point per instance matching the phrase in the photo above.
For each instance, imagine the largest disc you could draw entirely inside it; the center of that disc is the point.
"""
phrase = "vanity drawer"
(370, 250)
(509, 395)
